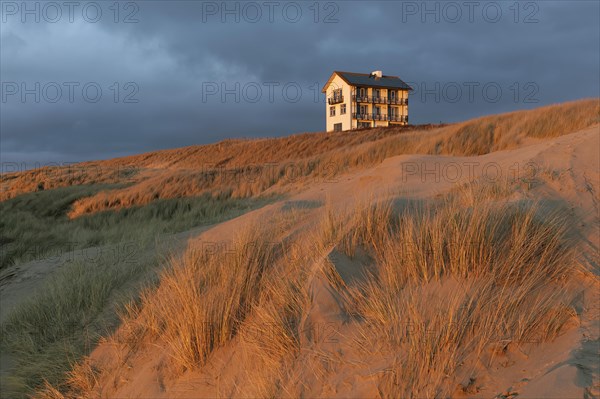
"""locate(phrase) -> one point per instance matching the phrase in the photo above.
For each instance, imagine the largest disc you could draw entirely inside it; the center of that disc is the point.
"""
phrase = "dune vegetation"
(511, 262)
(36, 225)
(67, 316)
(245, 168)
(465, 278)
(102, 260)
(475, 272)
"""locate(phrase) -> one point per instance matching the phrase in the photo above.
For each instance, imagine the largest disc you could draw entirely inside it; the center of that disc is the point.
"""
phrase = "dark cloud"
(534, 54)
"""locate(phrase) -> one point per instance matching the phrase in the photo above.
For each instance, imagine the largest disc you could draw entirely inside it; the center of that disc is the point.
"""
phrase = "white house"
(361, 100)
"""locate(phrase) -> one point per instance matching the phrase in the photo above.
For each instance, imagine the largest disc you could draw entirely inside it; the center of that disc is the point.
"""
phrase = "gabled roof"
(366, 79)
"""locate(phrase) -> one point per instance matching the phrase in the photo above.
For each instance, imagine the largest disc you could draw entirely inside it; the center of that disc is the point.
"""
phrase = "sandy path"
(18, 282)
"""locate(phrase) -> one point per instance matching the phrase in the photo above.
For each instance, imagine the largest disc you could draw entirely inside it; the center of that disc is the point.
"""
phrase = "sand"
(565, 170)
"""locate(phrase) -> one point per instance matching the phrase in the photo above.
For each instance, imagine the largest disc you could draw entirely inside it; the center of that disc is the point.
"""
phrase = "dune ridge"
(451, 261)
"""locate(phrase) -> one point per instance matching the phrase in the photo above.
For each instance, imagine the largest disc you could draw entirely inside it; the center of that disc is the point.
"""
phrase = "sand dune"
(437, 261)
(330, 364)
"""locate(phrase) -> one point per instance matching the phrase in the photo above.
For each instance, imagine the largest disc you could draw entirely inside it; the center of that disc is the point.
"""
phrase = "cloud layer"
(81, 85)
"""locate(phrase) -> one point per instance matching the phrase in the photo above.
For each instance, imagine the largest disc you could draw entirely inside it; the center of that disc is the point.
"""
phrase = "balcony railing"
(398, 101)
(358, 115)
(380, 117)
(335, 100)
(398, 118)
(360, 99)
(379, 100)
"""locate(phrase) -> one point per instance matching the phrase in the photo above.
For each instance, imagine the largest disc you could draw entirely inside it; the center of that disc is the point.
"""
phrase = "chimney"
(376, 74)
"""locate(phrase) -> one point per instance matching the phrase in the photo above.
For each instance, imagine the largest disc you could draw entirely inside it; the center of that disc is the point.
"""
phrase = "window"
(393, 95)
(337, 94)
(343, 109)
(362, 91)
(392, 111)
(377, 93)
(377, 113)
(332, 111)
(337, 127)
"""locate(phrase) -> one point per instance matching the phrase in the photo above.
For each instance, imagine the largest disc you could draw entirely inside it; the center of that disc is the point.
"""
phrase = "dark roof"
(365, 79)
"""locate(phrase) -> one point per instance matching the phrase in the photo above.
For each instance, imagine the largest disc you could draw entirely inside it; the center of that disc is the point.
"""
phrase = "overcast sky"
(95, 80)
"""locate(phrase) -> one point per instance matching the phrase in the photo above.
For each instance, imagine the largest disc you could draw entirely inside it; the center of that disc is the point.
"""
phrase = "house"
(360, 100)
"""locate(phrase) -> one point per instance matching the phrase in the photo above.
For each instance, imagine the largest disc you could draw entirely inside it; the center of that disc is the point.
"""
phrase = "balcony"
(360, 99)
(398, 101)
(366, 99)
(358, 115)
(380, 117)
(335, 100)
(379, 100)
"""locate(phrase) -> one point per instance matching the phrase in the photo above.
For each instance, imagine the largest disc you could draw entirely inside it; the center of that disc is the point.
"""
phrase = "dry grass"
(252, 289)
(49, 392)
(243, 168)
(79, 383)
(272, 335)
(453, 281)
(203, 298)
(207, 296)
(441, 336)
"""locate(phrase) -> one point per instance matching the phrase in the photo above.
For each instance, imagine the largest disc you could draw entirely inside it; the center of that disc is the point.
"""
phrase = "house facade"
(361, 100)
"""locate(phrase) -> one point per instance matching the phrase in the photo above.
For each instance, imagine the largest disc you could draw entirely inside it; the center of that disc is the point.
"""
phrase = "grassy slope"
(63, 321)
(159, 199)
(36, 225)
(511, 287)
(243, 168)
